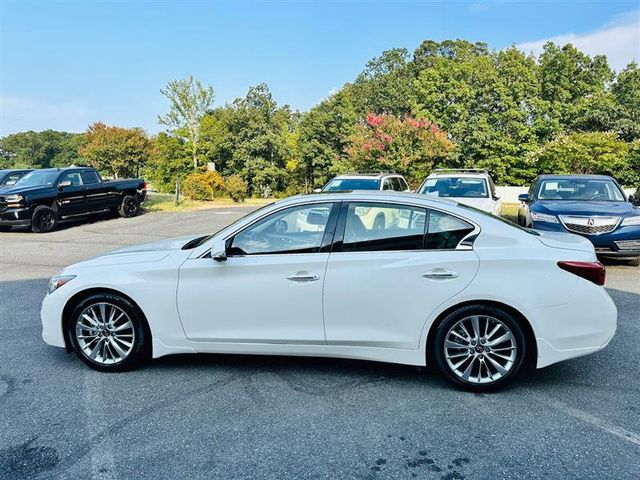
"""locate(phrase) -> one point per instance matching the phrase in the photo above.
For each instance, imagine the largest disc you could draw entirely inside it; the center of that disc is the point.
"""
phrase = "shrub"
(237, 188)
(215, 180)
(196, 187)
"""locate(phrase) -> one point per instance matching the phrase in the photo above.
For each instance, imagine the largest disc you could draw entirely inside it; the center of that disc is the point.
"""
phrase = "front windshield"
(38, 178)
(458, 187)
(343, 184)
(580, 189)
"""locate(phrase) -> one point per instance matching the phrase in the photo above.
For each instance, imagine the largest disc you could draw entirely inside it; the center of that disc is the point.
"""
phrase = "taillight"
(592, 271)
(144, 185)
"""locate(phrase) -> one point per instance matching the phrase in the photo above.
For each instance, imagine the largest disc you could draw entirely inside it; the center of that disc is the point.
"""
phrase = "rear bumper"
(584, 325)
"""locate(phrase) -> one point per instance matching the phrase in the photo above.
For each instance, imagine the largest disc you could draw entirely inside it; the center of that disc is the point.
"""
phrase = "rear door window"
(372, 227)
(90, 176)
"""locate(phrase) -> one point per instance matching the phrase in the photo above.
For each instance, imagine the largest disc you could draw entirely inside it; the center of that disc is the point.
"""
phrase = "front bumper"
(51, 317)
(621, 243)
(15, 217)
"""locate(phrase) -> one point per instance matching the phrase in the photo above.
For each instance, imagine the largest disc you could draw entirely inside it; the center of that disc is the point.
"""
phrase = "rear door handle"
(440, 273)
(303, 277)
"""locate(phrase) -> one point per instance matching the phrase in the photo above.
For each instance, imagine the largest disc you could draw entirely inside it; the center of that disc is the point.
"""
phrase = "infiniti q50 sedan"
(434, 282)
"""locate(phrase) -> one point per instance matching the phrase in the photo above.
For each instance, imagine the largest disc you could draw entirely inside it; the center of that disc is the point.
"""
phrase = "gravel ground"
(225, 416)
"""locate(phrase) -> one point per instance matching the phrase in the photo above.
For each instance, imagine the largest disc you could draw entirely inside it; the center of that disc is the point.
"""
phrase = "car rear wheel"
(479, 348)
(108, 333)
(130, 207)
(44, 219)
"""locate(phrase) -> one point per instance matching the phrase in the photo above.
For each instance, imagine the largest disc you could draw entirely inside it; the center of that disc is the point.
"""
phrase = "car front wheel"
(44, 219)
(107, 332)
(479, 348)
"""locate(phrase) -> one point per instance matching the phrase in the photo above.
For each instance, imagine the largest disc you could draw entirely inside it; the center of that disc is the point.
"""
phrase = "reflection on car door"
(97, 192)
(382, 284)
(72, 199)
(269, 289)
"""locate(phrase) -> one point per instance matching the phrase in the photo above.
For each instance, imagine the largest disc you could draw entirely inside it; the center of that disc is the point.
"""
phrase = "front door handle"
(303, 277)
(440, 273)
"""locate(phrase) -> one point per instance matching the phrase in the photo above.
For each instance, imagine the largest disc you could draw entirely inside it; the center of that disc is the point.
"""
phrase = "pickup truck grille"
(3, 205)
(628, 245)
(589, 225)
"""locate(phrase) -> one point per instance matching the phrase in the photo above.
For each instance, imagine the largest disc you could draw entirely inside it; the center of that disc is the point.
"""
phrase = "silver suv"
(367, 181)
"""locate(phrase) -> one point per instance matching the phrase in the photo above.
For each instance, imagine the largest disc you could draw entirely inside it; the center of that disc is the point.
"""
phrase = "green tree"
(589, 153)
(323, 137)
(626, 90)
(45, 149)
(189, 100)
(170, 161)
(119, 151)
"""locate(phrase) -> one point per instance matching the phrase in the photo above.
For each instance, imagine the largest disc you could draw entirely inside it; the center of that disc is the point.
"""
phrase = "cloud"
(619, 40)
(21, 113)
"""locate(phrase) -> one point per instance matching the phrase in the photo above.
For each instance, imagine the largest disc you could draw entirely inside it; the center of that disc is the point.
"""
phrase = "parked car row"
(39, 199)
(593, 206)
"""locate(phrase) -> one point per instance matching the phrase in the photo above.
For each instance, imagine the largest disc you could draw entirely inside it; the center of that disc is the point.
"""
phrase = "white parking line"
(597, 422)
(102, 464)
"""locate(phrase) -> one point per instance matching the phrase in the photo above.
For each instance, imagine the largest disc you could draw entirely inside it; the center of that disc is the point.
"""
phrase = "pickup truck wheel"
(44, 219)
(130, 207)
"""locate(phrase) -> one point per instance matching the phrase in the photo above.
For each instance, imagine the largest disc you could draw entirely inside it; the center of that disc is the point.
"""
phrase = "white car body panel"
(367, 305)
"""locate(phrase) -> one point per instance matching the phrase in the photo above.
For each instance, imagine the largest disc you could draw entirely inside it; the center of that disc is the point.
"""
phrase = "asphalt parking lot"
(250, 417)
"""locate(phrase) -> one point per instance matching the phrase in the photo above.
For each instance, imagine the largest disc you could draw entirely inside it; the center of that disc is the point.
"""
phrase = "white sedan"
(434, 281)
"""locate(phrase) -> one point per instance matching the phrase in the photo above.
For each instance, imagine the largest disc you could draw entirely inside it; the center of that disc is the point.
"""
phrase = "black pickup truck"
(43, 197)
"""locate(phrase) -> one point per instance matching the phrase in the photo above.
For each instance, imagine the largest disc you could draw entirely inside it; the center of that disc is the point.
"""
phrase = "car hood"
(566, 241)
(11, 190)
(147, 252)
(565, 207)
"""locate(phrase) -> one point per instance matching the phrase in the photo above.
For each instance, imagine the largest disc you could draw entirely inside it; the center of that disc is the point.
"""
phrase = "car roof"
(373, 176)
(574, 177)
(461, 174)
(367, 195)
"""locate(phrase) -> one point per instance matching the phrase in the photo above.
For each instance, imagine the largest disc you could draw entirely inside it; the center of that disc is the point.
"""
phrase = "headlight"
(631, 221)
(543, 217)
(58, 281)
(13, 198)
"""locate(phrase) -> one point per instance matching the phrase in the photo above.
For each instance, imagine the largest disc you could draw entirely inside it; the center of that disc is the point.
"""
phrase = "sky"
(66, 64)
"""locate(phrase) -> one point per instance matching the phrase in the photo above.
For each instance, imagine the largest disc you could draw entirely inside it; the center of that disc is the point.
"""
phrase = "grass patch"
(165, 202)
(510, 211)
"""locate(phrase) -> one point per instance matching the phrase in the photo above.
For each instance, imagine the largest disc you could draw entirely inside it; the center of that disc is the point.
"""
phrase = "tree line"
(452, 104)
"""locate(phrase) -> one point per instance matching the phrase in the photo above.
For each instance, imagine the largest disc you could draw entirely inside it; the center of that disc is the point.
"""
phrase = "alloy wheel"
(105, 333)
(480, 349)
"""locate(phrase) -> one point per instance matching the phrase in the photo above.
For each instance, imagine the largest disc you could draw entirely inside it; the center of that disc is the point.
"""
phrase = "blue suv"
(593, 206)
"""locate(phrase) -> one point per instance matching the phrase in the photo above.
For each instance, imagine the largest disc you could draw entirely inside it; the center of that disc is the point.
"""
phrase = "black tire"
(130, 207)
(44, 219)
(484, 311)
(635, 262)
(141, 343)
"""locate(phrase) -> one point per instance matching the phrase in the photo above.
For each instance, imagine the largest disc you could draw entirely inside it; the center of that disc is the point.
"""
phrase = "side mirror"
(496, 196)
(523, 197)
(317, 190)
(219, 251)
(65, 184)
